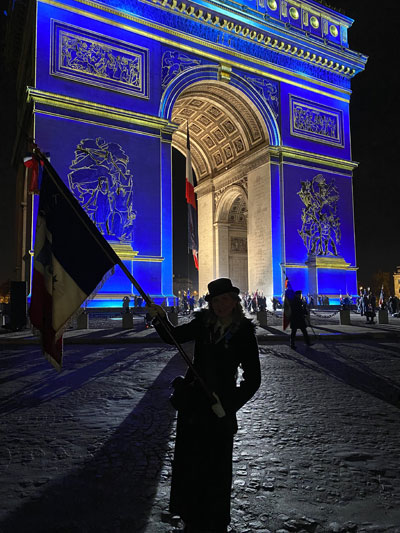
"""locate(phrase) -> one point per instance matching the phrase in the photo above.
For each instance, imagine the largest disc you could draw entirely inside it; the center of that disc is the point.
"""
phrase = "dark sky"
(375, 144)
(375, 121)
(374, 112)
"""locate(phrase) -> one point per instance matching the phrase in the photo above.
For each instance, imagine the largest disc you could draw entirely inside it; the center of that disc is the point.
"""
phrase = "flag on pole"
(191, 203)
(71, 258)
(381, 298)
(289, 296)
(31, 162)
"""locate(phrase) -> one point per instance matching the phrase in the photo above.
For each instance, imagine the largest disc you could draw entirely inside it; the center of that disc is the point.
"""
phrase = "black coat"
(202, 467)
(299, 312)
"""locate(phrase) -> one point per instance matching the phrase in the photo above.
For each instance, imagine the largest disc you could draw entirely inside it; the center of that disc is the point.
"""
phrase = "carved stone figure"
(103, 185)
(320, 229)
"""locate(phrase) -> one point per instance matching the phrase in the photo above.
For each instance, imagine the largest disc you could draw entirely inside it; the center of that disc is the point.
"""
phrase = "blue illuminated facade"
(108, 75)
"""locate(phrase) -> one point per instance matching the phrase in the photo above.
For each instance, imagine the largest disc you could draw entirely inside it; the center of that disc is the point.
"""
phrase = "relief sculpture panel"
(320, 231)
(103, 185)
(95, 59)
(316, 122)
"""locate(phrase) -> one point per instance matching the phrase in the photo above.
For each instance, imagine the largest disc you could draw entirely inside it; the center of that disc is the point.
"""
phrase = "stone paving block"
(90, 448)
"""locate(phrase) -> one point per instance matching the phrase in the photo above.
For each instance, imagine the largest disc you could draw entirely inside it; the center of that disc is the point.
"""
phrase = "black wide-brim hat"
(220, 286)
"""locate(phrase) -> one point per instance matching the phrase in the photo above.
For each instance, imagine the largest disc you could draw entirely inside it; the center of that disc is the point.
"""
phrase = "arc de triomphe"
(265, 88)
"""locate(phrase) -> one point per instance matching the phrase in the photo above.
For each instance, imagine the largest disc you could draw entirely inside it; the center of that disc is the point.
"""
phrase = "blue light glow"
(109, 92)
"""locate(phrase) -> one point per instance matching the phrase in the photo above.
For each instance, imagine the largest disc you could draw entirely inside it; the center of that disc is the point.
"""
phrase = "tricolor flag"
(381, 298)
(36, 168)
(289, 296)
(191, 202)
(71, 258)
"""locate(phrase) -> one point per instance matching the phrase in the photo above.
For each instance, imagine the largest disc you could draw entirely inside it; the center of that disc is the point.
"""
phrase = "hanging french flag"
(287, 310)
(193, 242)
(71, 258)
(36, 167)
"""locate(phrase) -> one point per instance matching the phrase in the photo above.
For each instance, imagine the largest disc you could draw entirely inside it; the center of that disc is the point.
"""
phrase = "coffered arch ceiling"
(223, 127)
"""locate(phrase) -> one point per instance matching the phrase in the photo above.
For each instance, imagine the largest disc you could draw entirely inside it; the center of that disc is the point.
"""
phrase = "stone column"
(222, 249)
(205, 205)
(259, 237)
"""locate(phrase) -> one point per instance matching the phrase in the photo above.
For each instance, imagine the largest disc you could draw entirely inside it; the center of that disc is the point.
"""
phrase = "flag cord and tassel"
(112, 255)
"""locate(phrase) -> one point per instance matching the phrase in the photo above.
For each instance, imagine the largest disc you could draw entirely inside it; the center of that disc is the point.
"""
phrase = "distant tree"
(382, 278)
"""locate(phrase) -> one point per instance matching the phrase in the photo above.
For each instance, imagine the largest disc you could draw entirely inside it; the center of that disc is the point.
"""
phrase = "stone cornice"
(284, 153)
(280, 60)
(337, 59)
(61, 101)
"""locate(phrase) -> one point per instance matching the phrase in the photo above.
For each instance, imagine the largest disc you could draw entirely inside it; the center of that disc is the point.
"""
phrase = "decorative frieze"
(238, 245)
(94, 59)
(261, 44)
(316, 122)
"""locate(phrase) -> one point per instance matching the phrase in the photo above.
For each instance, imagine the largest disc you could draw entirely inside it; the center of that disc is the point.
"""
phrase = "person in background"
(299, 312)
(202, 466)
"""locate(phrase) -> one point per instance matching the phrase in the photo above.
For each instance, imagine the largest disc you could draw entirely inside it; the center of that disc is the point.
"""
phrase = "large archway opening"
(237, 238)
(229, 151)
(185, 274)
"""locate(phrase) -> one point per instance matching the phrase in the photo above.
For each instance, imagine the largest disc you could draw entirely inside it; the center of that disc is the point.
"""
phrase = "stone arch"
(231, 128)
(230, 229)
(225, 200)
(204, 73)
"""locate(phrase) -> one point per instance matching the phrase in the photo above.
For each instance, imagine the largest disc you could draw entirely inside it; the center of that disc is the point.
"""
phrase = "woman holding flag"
(202, 466)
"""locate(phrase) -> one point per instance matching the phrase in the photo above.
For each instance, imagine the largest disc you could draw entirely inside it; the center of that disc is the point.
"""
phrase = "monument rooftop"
(305, 32)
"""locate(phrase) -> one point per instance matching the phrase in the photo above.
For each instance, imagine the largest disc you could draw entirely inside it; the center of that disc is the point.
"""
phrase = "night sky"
(375, 145)
(375, 122)
(374, 112)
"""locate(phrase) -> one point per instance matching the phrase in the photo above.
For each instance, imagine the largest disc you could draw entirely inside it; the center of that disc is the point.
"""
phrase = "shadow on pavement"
(52, 384)
(115, 489)
(274, 331)
(347, 370)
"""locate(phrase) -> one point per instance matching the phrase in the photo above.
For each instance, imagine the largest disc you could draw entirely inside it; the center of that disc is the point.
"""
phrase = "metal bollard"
(344, 316)
(83, 321)
(127, 321)
(262, 317)
(383, 316)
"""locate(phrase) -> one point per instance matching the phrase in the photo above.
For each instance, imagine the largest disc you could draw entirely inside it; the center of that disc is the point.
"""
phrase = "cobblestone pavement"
(89, 449)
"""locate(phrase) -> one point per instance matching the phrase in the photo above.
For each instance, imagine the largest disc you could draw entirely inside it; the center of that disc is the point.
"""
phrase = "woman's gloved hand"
(155, 310)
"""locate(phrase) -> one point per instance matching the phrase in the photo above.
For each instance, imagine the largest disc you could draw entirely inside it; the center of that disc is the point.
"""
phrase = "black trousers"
(303, 329)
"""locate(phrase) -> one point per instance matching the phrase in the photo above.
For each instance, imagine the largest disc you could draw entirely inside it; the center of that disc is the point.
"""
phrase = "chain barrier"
(274, 313)
(324, 315)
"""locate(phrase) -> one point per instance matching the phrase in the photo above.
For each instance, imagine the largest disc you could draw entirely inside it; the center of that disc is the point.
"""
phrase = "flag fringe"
(79, 311)
(82, 308)
(64, 328)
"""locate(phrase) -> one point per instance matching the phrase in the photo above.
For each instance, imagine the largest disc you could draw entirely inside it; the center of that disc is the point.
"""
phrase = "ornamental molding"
(272, 42)
(228, 184)
(285, 154)
(60, 101)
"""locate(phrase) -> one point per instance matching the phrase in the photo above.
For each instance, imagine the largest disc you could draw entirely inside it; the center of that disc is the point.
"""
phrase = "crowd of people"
(367, 304)
(253, 302)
